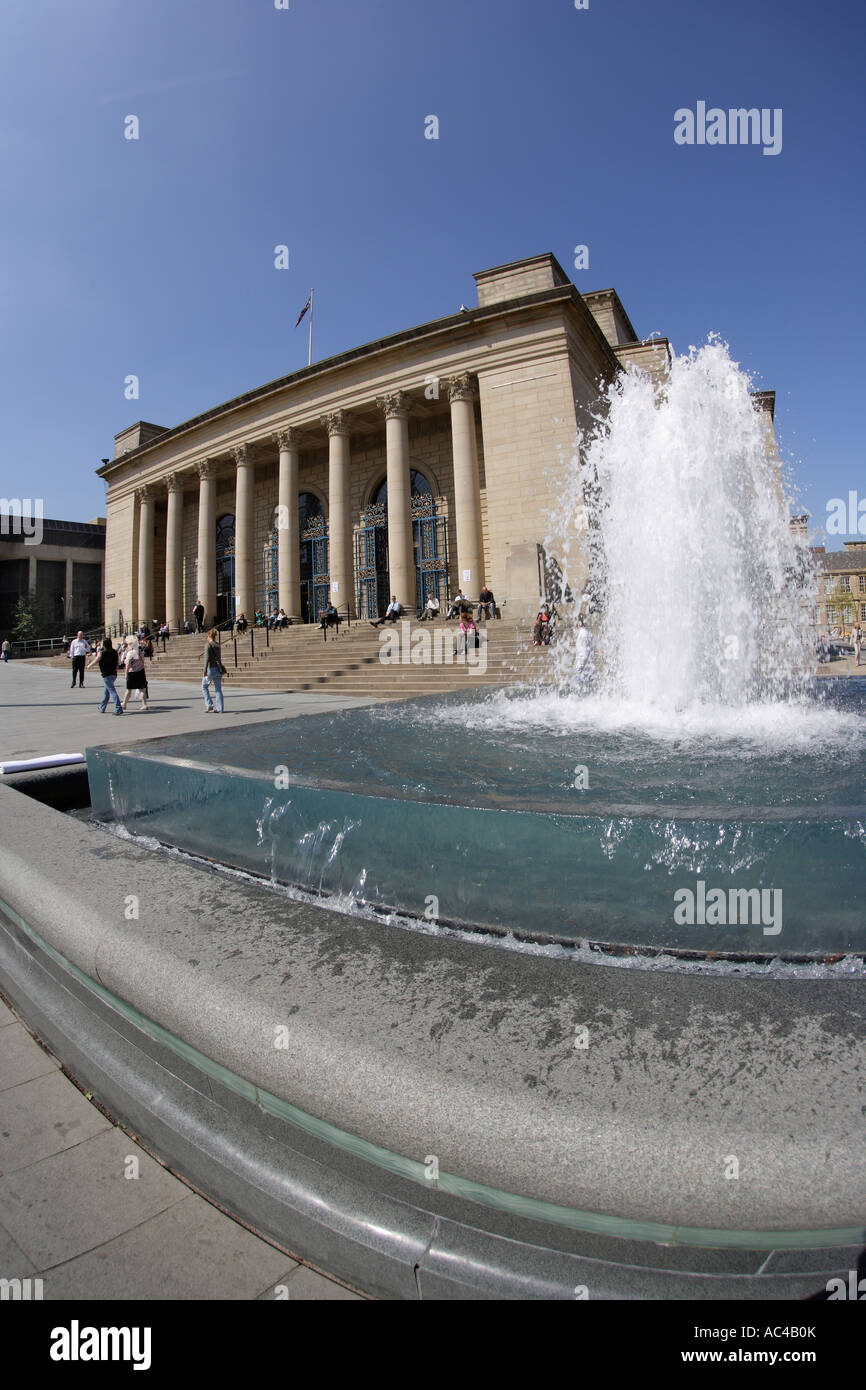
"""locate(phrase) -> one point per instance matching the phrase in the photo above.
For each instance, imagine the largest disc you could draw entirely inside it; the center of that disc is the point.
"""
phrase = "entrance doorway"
(315, 578)
(373, 580)
(225, 569)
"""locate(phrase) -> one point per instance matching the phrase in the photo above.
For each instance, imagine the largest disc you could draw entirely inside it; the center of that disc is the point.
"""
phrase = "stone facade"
(841, 588)
(477, 411)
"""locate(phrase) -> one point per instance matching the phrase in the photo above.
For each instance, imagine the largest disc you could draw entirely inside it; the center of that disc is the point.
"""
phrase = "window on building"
(418, 486)
(309, 507)
(844, 583)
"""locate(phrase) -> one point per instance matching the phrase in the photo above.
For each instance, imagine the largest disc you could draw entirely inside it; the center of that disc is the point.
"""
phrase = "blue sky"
(305, 126)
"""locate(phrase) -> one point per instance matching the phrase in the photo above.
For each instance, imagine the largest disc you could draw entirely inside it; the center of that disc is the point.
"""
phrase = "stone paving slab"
(219, 1259)
(68, 1215)
(77, 1200)
(44, 1117)
(304, 1285)
(14, 1264)
(21, 1059)
(40, 714)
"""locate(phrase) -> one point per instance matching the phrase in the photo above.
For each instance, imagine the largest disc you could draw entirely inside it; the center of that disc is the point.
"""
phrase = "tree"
(33, 617)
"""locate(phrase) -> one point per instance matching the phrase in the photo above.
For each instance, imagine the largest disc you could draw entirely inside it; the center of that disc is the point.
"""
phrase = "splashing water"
(700, 594)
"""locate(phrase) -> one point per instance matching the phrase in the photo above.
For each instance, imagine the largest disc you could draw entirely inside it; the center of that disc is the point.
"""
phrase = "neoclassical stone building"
(420, 463)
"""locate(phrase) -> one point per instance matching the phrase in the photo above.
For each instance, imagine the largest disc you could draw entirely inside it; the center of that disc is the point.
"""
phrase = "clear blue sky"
(306, 127)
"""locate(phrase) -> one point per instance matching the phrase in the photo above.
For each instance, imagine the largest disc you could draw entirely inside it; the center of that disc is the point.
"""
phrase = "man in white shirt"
(431, 610)
(392, 613)
(79, 650)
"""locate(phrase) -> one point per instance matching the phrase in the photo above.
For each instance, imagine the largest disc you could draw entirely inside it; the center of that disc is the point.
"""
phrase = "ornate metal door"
(225, 569)
(315, 577)
(271, 575)
(431, 550)
(371, 563)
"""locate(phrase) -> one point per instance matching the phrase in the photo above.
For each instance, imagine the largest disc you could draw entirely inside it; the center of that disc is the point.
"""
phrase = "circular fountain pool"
(491, 812)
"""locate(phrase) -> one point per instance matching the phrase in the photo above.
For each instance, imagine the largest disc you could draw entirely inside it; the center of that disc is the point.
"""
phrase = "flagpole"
(310, 344)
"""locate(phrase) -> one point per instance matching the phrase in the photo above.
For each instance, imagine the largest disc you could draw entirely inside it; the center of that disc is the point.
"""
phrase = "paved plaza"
(40, 714)
(69, 1212)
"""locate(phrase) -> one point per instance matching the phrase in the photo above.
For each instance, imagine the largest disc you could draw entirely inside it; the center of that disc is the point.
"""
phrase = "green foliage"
(34, 617)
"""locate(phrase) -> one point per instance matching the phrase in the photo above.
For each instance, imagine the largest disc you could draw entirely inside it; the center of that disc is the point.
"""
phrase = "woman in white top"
(136, 676)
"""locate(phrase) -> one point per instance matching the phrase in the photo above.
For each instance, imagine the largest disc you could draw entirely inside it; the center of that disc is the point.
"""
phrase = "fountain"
(444, 1088)
(695, 792)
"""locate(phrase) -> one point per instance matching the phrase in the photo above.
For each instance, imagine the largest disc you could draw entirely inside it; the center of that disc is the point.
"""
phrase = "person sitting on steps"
(486, 604)
(392, 613)
(330, 618)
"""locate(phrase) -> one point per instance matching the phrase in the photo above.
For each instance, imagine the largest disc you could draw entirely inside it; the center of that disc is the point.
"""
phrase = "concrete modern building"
(417, 464)
(60, 563)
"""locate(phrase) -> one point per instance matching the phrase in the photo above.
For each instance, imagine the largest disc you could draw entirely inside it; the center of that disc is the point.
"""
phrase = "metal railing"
(344, 616)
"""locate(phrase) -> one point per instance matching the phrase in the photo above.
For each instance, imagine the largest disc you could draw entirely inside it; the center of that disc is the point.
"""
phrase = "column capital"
(241, 455)
(286, 438)
(175, 482)
(205, 468)
(337, 422)
(147, 493)
(395, 405)
(461, 387)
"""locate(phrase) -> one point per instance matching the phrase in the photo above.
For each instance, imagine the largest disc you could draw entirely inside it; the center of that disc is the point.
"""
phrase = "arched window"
(225, 533)
(418, 487)
(225, 567)
(309, 508)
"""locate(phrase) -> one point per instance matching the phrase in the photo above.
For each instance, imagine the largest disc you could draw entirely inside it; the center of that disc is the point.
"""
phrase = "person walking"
(213, 671)
(106, 660)
(136, 675)
(79, 650)
(198, 615)
(6, 649)
(857, 638)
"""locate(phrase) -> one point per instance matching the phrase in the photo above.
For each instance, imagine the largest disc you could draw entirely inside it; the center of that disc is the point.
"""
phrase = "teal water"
(486, 811)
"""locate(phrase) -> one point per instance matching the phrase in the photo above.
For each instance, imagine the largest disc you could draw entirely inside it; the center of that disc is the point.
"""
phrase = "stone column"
(146, 505)
(340, 560)
(401, 561)
(288, 543)
(67, 602)
(174, 553)
(245, 571)
(206, 578)
(467, 491)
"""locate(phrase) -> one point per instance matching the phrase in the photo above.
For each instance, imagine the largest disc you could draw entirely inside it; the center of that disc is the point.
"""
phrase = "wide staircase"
(299, 659)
